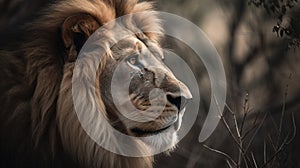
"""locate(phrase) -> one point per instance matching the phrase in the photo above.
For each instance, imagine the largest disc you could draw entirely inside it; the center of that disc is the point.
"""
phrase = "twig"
(276, 153)
(240, 135)
(227, 126)
(221, 153)
(239, 139)
(286, 141)
(230, 132)
(245, 110)
(228, 163)
(245, 161)
(253, 127)
(254, 160)
(274, 123)
(265, 152)
(249, 131)
(258, 128)
(294, 129)
(282, 116)
(271, 141)
(234, 120)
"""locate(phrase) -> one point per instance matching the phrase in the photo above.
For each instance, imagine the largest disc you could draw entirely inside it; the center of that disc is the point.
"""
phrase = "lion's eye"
(133, 60)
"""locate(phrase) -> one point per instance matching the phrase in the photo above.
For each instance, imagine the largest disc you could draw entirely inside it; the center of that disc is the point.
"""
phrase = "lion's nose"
(179, 101)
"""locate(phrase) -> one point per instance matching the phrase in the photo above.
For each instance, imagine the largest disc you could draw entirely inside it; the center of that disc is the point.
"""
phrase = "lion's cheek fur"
(75, 139)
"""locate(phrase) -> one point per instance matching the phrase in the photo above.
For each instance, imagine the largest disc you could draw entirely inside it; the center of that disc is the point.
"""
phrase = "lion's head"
(150, 104)
(157, 97)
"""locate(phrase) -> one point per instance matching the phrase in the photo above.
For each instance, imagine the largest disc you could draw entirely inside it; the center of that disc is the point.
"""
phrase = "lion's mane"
(38, 125)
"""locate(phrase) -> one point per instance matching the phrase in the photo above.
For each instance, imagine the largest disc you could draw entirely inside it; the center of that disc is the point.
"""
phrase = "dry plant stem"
(237, 142)
(285, 142)
(257, 129)
(245, 111)
(230, 132)
(282, 116)
(277, 152)
(281, 120)
(294, 129)
(271, 142)
(246, 163)
(254, 160)
(274, 123)
(252, 128)
(222, 153)
(235, 121)
(228, 164)
(265, 152)
(242, 150)
(239, 138)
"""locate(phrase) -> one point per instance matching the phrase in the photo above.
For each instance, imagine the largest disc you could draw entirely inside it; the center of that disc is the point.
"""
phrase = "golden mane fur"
(38, 126)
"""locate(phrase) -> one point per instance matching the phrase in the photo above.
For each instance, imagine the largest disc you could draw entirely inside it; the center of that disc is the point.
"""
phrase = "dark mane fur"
(32, 70)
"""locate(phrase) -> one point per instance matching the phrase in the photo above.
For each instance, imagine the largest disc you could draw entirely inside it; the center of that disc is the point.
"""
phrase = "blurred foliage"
(280, 9)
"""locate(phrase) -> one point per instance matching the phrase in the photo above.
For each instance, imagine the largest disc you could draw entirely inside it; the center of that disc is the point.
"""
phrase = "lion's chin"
(164, 141)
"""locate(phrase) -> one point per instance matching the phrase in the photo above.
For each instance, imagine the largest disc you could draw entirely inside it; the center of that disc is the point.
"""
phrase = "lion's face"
(141, 95)
(153, 100)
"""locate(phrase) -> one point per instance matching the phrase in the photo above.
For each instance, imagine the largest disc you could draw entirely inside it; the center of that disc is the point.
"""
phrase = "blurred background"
(258, 41)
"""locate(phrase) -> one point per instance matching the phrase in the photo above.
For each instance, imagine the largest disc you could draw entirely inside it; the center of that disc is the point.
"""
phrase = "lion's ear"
(75, 31)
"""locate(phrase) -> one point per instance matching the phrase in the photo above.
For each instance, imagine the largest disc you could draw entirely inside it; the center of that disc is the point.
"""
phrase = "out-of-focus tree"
(260, 51)
(288, 18)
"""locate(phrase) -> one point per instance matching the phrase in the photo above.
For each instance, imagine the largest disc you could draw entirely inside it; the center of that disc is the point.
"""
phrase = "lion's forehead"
(133, 44)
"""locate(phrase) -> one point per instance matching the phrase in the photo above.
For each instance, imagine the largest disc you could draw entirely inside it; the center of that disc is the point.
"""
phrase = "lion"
(39, 126)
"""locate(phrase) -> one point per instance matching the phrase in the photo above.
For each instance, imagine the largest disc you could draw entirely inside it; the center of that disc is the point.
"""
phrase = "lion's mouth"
(141, 132)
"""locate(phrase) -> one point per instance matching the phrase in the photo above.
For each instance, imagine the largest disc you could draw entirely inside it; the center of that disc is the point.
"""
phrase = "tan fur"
(38, 126)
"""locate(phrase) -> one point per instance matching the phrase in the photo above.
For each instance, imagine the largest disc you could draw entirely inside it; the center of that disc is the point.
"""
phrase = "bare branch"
(282, 115)
(228, 163)
(221, 153)
(230, 132)
(253, 127)
(254, 160)
(234, 120)
(265, 152)
(245, 111)
(294, 130)
(258, 128)
(277, 152)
